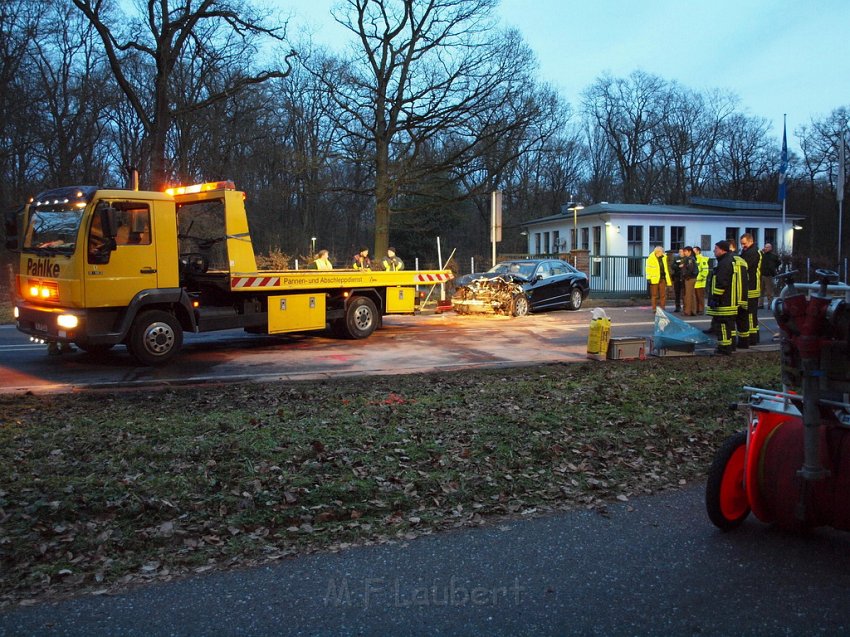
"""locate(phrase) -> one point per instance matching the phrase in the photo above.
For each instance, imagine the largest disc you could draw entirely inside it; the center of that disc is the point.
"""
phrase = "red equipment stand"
(791, 466)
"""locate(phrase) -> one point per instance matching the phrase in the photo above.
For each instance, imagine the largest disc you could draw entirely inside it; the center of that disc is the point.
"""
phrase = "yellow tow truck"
(104, 267)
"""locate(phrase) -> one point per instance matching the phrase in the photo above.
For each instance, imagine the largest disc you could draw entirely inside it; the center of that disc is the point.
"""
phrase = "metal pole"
(440, 261)
(839, 190)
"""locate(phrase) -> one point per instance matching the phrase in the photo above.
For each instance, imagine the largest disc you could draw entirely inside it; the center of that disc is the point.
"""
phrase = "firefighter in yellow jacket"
(724, 297)
(658, 277)
(702, 278)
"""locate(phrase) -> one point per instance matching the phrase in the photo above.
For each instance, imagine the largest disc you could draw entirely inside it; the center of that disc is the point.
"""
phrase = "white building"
(630, 231)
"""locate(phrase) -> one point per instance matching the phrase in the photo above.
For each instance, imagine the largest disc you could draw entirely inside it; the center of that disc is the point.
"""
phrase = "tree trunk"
(382, 197)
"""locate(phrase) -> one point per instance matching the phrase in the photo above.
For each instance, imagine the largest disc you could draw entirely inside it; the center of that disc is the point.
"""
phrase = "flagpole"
(783, 169)
(839, 191)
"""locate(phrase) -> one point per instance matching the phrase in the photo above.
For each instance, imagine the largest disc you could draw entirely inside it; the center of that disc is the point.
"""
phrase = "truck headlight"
(68, 321)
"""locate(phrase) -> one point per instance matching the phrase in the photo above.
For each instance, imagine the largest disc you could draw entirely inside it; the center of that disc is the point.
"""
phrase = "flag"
(783, 164)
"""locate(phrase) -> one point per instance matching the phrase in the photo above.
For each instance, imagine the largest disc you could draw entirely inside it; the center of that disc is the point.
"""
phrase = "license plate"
(41, 327)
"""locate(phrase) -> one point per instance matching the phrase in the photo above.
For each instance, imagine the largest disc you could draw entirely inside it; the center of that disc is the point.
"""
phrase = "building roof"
(699, 207)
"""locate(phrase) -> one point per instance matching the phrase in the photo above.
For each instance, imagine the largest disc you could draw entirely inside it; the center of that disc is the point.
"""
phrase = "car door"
(541, 289)
(114, 279)
(561, 283)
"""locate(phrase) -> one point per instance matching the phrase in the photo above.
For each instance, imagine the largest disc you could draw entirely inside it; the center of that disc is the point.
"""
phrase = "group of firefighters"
(731, 292)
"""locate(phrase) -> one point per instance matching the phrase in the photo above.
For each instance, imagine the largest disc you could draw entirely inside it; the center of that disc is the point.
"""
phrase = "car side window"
(558, 269)
(544, 270)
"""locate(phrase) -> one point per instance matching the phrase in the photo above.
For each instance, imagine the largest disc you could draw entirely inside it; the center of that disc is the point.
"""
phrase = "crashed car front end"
(488, 295)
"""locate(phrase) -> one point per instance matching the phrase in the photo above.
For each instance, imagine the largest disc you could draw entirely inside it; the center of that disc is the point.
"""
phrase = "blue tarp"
(671, 331)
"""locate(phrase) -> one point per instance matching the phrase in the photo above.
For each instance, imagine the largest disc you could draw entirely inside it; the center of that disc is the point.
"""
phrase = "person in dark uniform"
(752, 255)
(361, 260)
(676, 263)
(723, 298)
(769, 269)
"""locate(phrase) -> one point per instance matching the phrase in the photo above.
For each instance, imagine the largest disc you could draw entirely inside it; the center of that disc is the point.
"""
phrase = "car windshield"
(519, 268)
(53, 228)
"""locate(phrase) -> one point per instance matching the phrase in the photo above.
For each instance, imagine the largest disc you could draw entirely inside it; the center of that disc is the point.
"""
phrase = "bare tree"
(631, 113)
(425, 70)
(819, 165)
(691, 131)
(168, 33)
(746, 160)
(72, 81)
(20, 22)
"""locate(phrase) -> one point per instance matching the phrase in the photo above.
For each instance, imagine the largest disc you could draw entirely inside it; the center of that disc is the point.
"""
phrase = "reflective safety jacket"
(653, 269)
(752, 256)
(724, 288)
(702, 271)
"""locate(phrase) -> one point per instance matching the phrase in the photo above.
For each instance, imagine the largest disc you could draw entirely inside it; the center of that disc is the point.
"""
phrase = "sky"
(780, 57)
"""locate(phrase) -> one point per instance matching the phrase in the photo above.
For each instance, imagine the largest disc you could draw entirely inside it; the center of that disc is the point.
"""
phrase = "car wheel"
(725, 492)
(575, 299)
(520, 305)
(155, 337)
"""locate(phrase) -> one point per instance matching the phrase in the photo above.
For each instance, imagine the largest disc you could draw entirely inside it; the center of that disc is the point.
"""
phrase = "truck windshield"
(54, 219)
(53, 228)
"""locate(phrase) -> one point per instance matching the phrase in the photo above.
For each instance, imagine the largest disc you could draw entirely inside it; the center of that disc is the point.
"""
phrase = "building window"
(677, 237)
(546, 248)
(556, 241)
(656, 236)
(585, 238)
(732, 235)
(573, 238)
(536, 243)
(770, 236)
(705, 243)
(755, 234)
(596, 264)
(635, 248)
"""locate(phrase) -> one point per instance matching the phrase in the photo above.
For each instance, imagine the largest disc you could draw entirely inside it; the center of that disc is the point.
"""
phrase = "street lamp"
(312, 245)
(575, 208)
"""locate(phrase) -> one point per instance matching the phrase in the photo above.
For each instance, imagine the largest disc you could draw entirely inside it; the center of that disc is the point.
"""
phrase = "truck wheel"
(361, 318)
(155, 337)
(725, 492)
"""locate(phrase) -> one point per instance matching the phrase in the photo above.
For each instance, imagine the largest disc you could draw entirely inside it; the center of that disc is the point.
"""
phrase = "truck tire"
(155, 337)
(361, 318)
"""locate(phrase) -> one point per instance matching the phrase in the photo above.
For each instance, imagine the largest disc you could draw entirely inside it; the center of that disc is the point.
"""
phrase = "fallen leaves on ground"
(102, 491)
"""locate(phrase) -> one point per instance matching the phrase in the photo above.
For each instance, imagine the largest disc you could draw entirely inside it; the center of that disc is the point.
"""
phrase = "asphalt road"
(652, 566)
(406, 344)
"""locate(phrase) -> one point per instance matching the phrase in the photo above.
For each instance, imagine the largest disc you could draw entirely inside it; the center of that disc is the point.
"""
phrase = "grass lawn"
(102, 491)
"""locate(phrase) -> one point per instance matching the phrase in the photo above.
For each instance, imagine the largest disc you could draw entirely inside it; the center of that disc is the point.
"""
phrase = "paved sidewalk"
(653, 566)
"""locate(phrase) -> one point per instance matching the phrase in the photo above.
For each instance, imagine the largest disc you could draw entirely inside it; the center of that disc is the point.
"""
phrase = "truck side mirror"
(102, 235)
(109, 224)
(11, 226)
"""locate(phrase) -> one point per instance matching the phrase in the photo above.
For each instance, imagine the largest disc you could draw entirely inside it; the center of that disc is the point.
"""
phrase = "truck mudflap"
(100, 326)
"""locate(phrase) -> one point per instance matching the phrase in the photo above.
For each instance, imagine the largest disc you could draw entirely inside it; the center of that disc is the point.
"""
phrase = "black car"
(519, 287)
